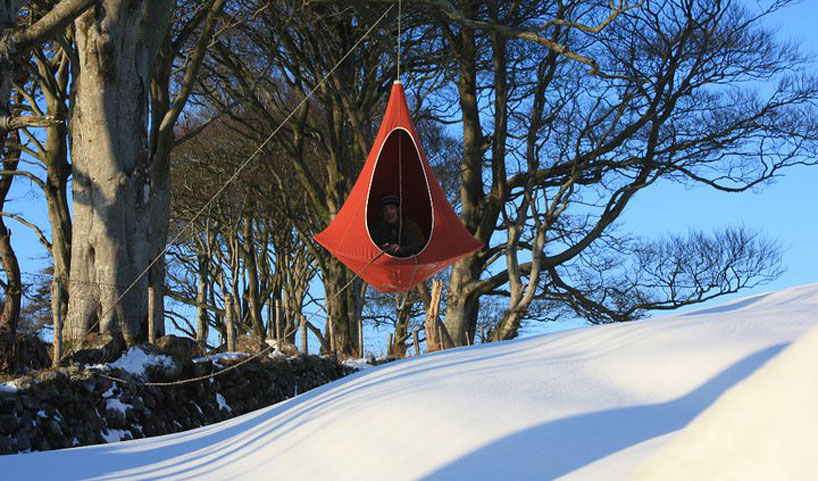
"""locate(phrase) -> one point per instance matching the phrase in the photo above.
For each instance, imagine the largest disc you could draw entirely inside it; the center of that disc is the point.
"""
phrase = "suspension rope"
(400, 189)
(399, 19)
(400, 162)
(234, 176)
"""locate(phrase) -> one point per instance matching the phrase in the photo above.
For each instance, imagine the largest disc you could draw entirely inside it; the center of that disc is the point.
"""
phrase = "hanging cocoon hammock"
(397, 166)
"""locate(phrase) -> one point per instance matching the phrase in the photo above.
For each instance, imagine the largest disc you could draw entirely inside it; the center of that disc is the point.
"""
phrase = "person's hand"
(390, 248)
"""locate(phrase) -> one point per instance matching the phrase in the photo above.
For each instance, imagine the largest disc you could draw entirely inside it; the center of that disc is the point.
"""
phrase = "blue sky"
(784, 210)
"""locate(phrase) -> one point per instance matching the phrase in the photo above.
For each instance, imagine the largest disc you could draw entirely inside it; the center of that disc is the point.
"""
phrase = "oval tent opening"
(399, 172)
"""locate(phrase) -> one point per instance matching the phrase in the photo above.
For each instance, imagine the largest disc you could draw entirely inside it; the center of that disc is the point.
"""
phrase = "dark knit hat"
(389, 199)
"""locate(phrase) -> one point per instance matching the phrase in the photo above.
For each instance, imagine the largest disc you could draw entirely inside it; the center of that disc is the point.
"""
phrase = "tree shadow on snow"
(556, 448)
(186, 455)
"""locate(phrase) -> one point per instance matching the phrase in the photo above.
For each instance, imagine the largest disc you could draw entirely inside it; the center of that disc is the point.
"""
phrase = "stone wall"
(73, 406)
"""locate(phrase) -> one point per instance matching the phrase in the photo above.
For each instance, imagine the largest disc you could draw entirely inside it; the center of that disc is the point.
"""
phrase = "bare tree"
(126, 54)
(117, 48)
(568, 112)
(675, 107)
(18, 34)
(247, 244)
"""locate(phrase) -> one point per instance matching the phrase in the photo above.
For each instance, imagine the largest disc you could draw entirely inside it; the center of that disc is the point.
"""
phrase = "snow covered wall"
(593, 403)
(71, 406)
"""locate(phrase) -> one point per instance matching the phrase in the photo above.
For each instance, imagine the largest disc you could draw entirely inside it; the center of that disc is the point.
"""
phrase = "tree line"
(543, 120)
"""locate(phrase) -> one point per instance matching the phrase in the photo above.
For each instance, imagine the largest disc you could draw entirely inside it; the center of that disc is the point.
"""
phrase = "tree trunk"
(56, 195)
(229, 324)
(111, 245)
(8, 321)
(254, 300)
(159, 209)
(8, 14)
(58, 170)
(521, 296)
(404, 309)
(341, 307)
(462, 304)
(201, 297)
(10, 315)
(437, 336)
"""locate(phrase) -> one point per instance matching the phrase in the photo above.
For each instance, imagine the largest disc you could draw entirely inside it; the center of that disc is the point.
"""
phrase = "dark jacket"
(411, 240)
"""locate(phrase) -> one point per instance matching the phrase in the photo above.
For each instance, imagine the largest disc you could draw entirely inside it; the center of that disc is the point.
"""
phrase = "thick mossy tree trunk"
(117, 43)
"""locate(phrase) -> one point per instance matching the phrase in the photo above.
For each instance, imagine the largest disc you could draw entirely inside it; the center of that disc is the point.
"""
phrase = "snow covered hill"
(593, 403)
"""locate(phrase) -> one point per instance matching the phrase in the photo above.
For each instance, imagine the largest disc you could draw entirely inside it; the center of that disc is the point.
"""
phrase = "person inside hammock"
(396, 237)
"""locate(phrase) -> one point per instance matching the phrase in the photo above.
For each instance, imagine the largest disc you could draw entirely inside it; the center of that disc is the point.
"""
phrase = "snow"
(223, 356)
(115, 435)
(116, 404)
(762, 428)
(603, 402)
(223, 404)
(360, 363)
(9, 387)
(110, 391)
(276, 352)
(136, 361)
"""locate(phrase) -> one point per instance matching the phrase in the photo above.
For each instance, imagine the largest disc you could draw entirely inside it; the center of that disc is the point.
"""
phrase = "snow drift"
(592, 403)
(766, 427)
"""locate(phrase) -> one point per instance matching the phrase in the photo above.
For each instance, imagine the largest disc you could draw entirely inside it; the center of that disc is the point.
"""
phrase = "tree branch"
(13, 43)
(8, 123)
(26, 223)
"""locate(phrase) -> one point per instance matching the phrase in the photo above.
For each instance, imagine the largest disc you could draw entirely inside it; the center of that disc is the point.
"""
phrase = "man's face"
(390, 214)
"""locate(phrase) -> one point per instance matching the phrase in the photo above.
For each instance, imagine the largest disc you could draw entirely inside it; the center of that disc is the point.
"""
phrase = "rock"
(51, 426)
(97, 348)
(43, 444)
(8, 423)
(115, 419)
(182, 349)
(28, 402)
(6, 446)
(23, 352)
(66, 407)
(22, 440)
(250, 344)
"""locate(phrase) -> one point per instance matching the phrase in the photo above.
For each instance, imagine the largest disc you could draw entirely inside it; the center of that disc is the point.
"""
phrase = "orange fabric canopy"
(397, 165)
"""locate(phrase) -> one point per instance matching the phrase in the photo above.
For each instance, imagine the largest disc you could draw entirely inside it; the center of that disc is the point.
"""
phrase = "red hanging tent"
(397, 165)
